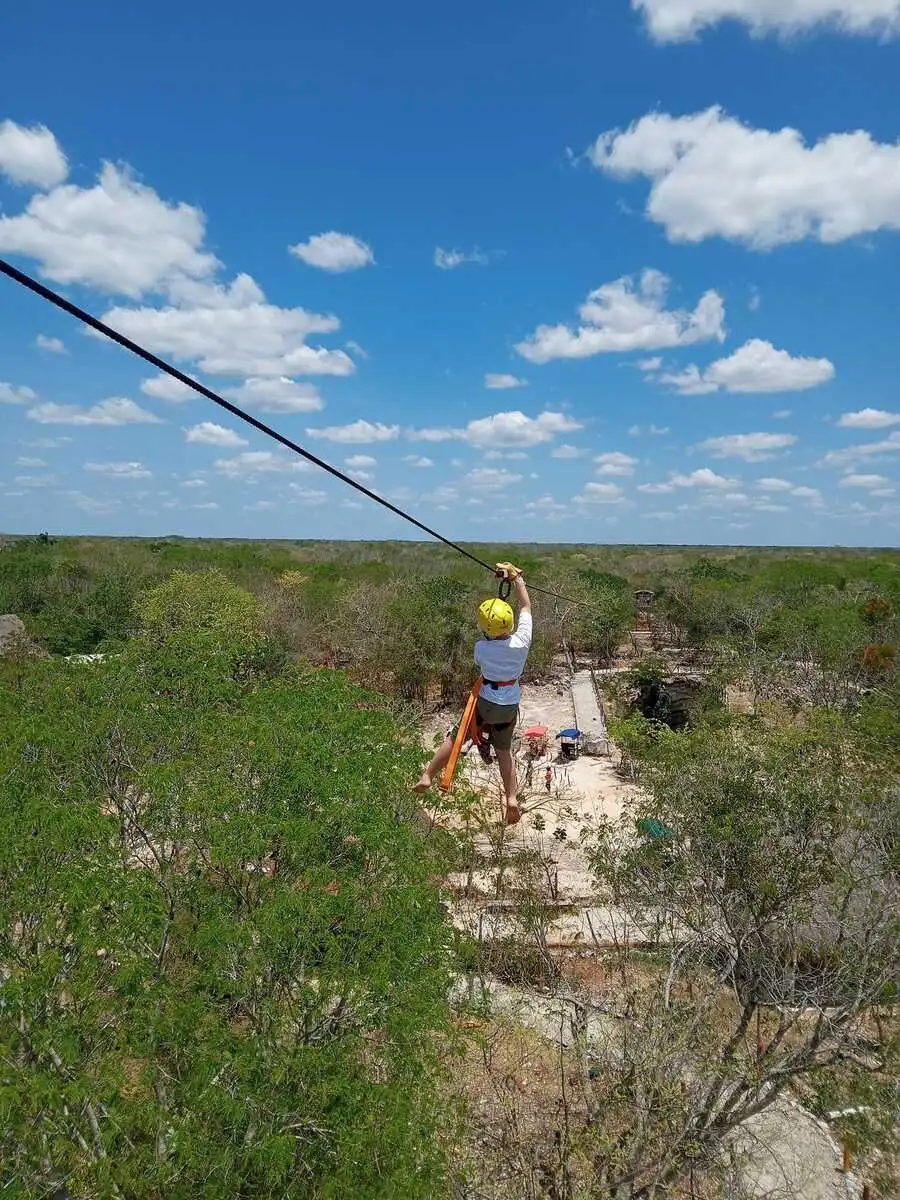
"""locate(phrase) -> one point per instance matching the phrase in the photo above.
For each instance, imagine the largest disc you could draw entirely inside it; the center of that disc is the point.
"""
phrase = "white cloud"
(503, 381)
(308, 496)
(782, 414)
(230, 329)
(864, 481)
(566, 451)
(358, 433)
(255, 462)
(756, 367)
(869, 418)
(653, 430)
(655, 489)
(703, 478)
(772, 508)
(207, 433)
(545, 504)
(35, 481)
(279, 395)
(360, 462)
(490, 478)
(751, 447)
(888, 447)
(515, 429)
(48, 443)
(448, 259)
(31, 463)
(90, 504)
(682, 20)
(712, 176)
(194, 483)
(619, 317)
(206, 504)
(503, 429)
(115, 411)
(807, 493)
(166, 387)
(773, 484)
(650, 364)
(10, 394)
(334, 252)
(418, 460)
(614, 462)
(599, 493)
(31, 155)
(119, 470)
(51, 344)
(118, 236)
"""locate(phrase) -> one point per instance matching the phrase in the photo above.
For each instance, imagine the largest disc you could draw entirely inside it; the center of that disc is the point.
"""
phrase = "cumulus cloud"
(565, 450)
(119, 470)
(498, 382)
(360, 462)
(31, 463)
(115, 411)
(230, 329)
(166, 387)
(490, 478)
(623, 316)
(279, 395)
(703, 478)
(505, 429)
(31, 155)
(335, 252)
(614, 462)
(682, 20)
(886, 448)
(773, 484)
(418, 460)
(869, 418)
(599, 493)
(118, 236)
(712, 176)
(756, 367)
(359, 433)
(311, 497)
(864, 481)
(448, 259)
(257, 462)
(10, 394)
(51, 344)
(751, 447)
(207, 433)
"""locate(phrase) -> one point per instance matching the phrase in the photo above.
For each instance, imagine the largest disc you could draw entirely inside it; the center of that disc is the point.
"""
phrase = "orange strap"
(462, 735)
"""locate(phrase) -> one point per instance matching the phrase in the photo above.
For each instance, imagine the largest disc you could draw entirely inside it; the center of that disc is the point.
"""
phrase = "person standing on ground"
(548, 779)
(501, 655)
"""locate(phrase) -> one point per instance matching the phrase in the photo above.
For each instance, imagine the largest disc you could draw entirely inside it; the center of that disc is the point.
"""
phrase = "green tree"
(224, 968)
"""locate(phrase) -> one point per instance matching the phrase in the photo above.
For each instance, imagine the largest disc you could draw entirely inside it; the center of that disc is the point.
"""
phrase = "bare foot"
(422, 786)
(513, 814)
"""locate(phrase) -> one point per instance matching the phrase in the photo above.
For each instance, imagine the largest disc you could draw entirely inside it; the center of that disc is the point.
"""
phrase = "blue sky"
(614, 272)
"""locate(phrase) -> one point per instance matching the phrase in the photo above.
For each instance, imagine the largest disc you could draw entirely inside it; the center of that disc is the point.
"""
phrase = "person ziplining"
(501, 654)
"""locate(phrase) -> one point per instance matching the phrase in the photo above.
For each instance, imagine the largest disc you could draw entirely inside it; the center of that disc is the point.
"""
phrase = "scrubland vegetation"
(225, 965)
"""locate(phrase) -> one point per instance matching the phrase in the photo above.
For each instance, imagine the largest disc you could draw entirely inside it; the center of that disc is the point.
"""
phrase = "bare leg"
(436, 765)
(507, 765)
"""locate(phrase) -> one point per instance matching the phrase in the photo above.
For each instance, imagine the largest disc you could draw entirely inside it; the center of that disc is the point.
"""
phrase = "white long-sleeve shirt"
(504, 658)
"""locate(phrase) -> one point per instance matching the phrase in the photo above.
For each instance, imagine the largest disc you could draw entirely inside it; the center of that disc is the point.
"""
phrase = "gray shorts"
(496, 722)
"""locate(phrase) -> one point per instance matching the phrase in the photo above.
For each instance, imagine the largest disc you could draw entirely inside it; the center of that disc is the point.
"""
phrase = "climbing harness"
(86, 318)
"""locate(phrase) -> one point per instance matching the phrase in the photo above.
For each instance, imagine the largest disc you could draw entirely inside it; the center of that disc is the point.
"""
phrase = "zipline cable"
(161, 365)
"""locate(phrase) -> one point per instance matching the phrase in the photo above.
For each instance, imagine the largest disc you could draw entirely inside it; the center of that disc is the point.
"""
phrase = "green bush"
(224, 965)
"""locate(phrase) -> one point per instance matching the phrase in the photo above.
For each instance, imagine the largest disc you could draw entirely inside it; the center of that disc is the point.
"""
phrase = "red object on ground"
(536, 731)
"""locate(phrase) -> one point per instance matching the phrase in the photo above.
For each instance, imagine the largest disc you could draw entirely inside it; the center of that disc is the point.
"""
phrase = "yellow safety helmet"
(496, 617)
